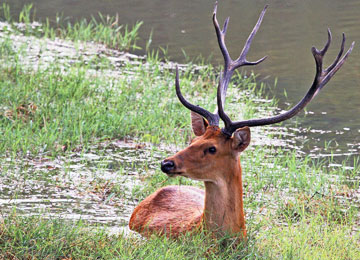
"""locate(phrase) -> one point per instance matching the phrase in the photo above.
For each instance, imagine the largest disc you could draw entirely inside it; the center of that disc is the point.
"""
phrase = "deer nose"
(167, 166)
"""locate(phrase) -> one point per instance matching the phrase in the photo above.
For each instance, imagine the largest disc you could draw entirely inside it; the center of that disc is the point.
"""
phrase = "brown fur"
(171, 210)
(177, 209)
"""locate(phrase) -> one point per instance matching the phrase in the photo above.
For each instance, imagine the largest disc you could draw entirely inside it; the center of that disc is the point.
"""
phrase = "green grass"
(44, 109)
(296, 208)
(37, 238)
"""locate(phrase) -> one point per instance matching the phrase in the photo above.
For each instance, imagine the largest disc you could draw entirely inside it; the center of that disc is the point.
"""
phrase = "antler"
(213, 119)
(229, 67)
(321, 78)
(229, 64)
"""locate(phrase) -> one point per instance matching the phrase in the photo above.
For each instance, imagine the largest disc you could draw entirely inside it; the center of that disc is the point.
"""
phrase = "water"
(96, 186)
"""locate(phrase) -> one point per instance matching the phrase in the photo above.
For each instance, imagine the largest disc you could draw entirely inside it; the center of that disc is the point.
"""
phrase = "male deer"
(213, 156)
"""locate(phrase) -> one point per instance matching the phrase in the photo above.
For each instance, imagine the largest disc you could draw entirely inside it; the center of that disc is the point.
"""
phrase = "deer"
(213, 155)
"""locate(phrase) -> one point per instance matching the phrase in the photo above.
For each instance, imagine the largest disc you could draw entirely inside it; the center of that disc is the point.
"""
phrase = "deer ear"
(241, 139)
(198, 124)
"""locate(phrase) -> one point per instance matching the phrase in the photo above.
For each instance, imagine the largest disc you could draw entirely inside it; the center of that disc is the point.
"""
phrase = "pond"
(289, 30)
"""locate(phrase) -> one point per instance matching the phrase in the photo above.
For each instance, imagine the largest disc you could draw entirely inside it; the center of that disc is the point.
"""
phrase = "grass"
(45, 109)
(36, 238)
(297, 208)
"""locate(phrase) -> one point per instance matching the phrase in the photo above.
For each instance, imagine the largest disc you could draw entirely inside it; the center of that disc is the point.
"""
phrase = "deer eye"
(212, 150)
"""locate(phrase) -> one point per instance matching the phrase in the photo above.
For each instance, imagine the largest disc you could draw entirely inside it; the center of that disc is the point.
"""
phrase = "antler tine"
(321, 78)
(339, 55)
(213, 119)
(333, 68)
(318, 55)
(242, 58)
(221, 37)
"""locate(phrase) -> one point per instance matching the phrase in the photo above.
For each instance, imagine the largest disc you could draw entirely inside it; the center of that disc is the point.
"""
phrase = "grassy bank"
(53, 106)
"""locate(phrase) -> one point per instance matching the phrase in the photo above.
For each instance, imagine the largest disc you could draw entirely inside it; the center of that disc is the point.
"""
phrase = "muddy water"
(289, 30)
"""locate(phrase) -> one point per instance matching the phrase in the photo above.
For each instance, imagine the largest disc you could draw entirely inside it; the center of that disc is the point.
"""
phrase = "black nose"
(167, 166)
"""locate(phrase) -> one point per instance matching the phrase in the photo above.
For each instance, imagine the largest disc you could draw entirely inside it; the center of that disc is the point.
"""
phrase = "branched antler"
(321, 78)
(229, 67)
(229, 64)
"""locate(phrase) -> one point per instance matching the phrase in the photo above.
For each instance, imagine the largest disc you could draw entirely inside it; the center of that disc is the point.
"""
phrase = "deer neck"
(224, 202)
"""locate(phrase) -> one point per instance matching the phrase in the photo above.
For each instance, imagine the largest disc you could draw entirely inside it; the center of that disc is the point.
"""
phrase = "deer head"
(212, 144)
